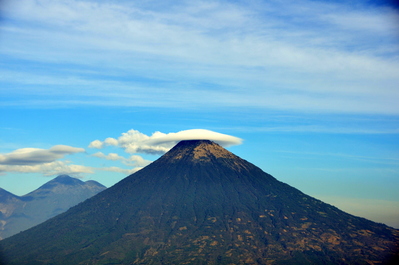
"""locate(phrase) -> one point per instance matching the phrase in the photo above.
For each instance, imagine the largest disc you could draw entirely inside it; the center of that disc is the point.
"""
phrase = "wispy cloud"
(322, 129)
(110, 156)
(383, 211)
(48, 169)
(317, 56)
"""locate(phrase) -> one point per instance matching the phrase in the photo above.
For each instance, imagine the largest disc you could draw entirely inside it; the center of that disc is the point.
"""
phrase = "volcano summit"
(201, 204)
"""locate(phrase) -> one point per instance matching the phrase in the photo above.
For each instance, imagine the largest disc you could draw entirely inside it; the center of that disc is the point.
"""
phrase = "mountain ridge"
(201, 204)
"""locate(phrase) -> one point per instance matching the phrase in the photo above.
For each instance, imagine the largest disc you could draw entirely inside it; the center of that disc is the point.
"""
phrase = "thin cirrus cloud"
(266, 55)
(134, 141)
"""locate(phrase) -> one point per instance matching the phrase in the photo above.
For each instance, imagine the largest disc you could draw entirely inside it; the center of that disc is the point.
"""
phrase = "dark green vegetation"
(18, 213)
(200, 204)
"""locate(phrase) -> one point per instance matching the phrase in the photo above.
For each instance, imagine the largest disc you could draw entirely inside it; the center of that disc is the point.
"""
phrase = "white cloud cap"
(196, 134)
(134, 141)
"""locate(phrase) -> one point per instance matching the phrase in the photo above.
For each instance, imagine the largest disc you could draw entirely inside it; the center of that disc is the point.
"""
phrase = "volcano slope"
(201, 204)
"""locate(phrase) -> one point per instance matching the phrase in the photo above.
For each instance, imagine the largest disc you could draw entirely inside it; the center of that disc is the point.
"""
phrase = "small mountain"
(52, 198)
(201, 204)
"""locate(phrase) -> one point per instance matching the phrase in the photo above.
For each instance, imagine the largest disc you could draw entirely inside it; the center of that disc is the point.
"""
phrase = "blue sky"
(310, 86)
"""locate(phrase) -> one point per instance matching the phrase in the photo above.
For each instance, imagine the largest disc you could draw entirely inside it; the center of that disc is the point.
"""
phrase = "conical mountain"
(201, 204)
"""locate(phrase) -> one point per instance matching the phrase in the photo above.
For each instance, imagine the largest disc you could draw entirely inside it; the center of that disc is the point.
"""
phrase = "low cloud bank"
(52, 161)
(134, 141)
(45, 161)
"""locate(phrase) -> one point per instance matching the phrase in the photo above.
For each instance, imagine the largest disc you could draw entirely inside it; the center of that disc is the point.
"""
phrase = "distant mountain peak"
(62, 180)
(54, 197)
(63, 176)
(67, 180)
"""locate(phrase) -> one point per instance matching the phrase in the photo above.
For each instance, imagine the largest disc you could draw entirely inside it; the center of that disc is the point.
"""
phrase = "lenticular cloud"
(134, 141)
(34, 156)
(197, 134)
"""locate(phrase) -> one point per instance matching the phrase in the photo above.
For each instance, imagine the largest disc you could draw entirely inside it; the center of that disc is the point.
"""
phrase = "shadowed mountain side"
(201, 204)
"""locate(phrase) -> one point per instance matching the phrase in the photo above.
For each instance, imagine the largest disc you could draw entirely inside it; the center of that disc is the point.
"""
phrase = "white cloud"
(45, 161)
(137, 161)
(110, 156)
(111, 141)
(35, 156)
(134, 141)
(96, 144)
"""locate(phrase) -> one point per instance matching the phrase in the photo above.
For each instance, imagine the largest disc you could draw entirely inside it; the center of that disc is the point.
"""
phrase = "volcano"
(201, 204)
